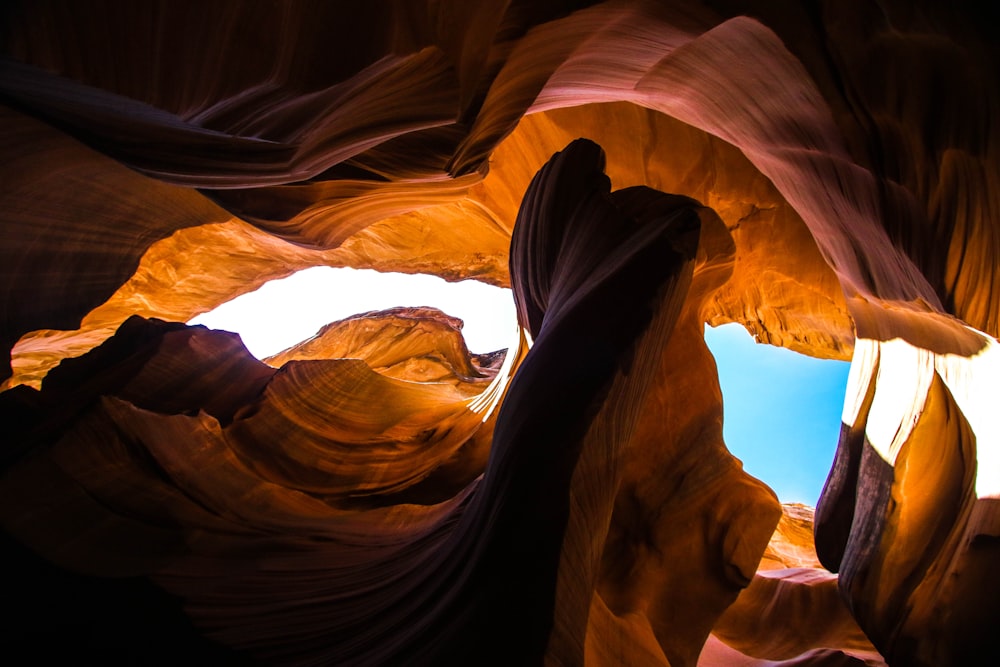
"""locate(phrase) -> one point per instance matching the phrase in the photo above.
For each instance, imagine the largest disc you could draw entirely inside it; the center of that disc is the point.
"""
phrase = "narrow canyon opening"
(781, 409)
(287, 311)
(167, 498)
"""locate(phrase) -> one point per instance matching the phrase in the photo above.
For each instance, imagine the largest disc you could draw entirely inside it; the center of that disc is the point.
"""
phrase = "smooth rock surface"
(382, 494)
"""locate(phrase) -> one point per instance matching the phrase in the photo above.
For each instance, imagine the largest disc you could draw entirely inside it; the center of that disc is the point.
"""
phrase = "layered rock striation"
(380, 494)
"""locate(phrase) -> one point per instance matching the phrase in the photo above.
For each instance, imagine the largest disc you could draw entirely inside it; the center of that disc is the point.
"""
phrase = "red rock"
(159, 160)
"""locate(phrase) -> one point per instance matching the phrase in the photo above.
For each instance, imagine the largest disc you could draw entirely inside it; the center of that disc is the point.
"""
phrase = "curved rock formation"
(216, 484)
(161, 158)
(775, 619)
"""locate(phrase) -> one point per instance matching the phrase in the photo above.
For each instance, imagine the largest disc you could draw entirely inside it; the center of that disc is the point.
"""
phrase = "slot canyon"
(823, 173)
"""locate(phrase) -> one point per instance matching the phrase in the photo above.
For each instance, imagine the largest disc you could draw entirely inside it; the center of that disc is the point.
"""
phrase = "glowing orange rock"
(850, 152)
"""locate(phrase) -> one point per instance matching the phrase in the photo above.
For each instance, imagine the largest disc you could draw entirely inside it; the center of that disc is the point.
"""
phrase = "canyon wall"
(822, 174)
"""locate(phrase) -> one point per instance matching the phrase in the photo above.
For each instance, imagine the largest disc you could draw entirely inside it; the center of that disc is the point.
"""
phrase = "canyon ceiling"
(823, 173)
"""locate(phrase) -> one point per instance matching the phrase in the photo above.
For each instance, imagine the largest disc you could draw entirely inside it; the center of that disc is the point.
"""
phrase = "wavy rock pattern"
(368, 499)
(774, 620)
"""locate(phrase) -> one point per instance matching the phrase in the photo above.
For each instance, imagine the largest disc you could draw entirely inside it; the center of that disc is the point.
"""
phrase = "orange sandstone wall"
(831, 172)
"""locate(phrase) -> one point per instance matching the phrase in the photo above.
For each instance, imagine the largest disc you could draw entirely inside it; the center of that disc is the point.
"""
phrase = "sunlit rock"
(776, 619)
(415, 344)
(841, 163)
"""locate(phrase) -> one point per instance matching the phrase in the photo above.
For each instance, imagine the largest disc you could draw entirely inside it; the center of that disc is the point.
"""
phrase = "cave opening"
(286, 311)
(781, 411)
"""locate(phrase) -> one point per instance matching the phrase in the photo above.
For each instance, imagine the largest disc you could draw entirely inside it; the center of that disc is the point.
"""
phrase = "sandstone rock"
(160, 159)
(776, 619)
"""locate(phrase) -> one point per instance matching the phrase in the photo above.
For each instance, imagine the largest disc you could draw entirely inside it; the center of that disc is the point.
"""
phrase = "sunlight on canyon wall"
(824, 175)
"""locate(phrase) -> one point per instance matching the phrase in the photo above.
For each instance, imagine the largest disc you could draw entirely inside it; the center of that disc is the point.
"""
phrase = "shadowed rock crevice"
(839, 162)
(205, 488)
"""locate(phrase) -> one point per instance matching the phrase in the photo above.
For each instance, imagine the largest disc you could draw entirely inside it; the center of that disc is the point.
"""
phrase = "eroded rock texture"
(824, 174)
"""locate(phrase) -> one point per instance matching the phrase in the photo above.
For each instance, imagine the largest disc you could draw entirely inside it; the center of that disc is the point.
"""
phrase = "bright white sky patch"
(782, 409)
(284, 312)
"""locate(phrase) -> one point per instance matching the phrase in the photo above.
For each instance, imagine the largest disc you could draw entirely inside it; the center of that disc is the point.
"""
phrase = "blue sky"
(782, 409)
